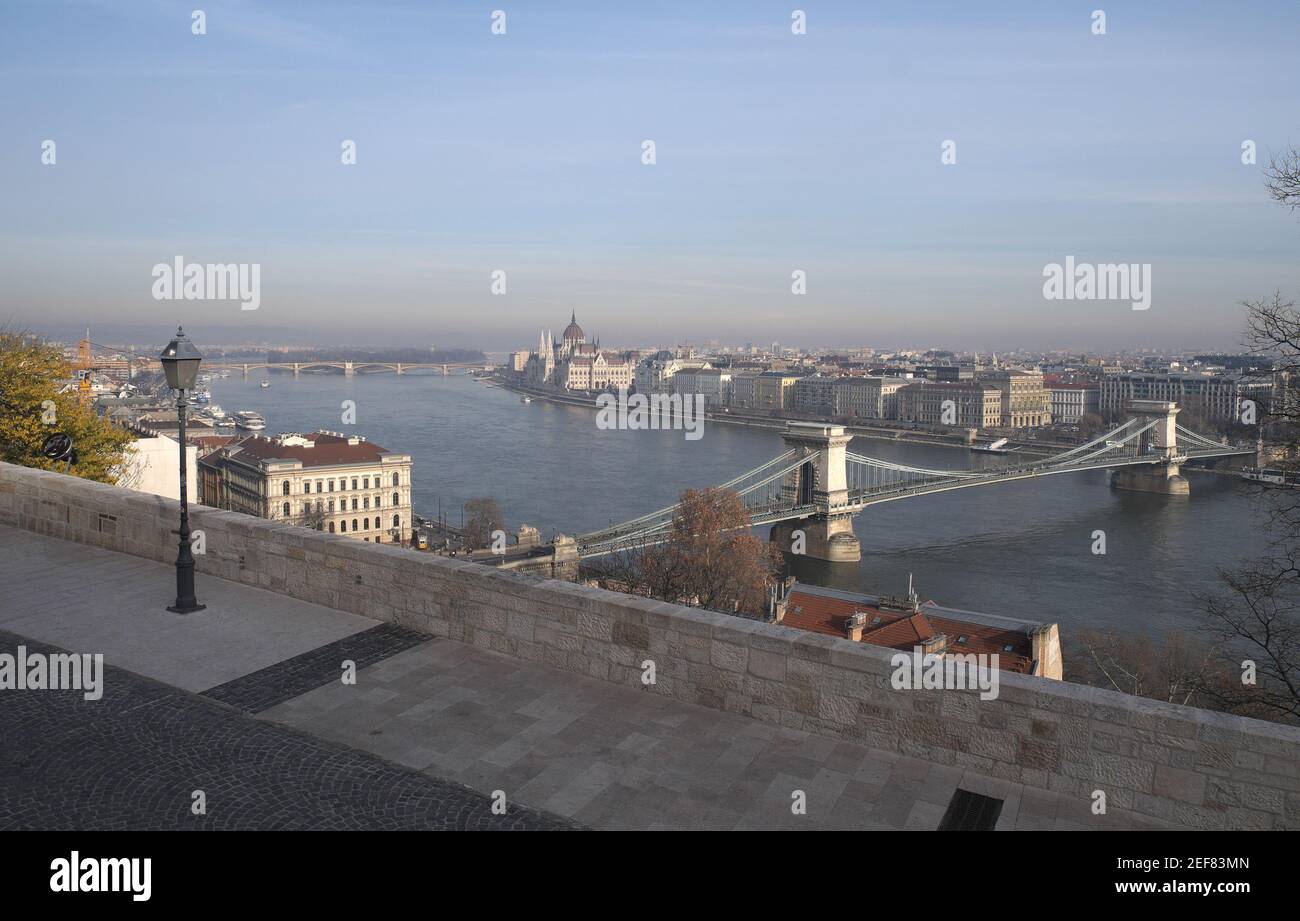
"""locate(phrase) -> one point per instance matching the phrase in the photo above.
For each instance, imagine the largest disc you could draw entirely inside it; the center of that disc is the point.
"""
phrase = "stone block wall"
(1191, 767)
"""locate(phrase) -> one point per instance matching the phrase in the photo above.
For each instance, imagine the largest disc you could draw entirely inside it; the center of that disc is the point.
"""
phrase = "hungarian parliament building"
(573, 363)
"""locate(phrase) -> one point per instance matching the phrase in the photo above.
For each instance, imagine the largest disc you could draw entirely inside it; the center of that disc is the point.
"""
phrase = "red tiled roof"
(896, 630)
(328, 451)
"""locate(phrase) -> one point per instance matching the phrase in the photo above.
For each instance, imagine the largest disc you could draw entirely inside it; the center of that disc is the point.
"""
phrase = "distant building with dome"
(576, 364)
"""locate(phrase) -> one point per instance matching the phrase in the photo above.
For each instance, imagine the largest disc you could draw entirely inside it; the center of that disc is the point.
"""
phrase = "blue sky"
(776, 152)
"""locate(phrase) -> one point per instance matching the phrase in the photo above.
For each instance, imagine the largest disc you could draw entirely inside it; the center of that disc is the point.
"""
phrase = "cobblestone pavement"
(134, 758)
(288, 679)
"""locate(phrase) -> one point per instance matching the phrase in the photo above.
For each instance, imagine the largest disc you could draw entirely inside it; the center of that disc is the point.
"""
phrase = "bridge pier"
(295, 369)
(821, 482)
(347, 369)
(829, 539)
(1165, 479)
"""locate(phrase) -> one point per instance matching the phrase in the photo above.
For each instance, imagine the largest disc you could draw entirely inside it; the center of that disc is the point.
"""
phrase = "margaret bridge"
(817, 485)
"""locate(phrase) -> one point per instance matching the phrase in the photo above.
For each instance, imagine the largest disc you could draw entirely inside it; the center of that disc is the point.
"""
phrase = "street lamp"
(180, 361)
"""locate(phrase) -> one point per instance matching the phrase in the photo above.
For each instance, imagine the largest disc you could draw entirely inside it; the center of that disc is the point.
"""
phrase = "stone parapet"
(1178, 764)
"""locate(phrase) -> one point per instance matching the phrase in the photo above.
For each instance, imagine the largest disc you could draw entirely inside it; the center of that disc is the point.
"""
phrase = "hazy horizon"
(775, 152)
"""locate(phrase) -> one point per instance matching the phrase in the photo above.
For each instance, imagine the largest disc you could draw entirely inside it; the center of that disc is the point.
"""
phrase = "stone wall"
(1192, 767)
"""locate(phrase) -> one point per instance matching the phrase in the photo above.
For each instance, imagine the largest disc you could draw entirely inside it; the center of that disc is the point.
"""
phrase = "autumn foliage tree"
(710, 558)
(32, 407)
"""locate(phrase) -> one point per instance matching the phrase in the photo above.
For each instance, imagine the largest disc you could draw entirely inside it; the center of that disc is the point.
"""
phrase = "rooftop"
(823, 610)
(320, 449)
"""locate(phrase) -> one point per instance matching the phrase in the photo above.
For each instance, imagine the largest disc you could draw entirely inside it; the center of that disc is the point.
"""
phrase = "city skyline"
(776, 153)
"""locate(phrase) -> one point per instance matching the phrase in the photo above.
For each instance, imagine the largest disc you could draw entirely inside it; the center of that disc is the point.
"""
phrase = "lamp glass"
(180, 361)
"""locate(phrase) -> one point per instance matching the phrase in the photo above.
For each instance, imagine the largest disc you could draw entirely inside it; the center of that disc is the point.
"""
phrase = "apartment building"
(815, 394)
(655, 373)
(965, 404)
(1070, 402)
(1025, 400)
(744, 389)
(714, 384)
(327, 480)
(1216, 398)
(774, 390)
(868, 397)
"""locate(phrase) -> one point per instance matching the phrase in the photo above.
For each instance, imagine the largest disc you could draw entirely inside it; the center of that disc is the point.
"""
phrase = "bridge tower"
(347, 369)
(821, 482)
(399, 367)
(1164, 474)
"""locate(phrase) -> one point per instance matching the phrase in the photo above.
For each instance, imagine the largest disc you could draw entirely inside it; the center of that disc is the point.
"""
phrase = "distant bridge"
(817, 481)
(347, 367)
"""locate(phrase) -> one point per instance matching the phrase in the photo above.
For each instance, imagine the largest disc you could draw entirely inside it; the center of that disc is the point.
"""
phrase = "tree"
(313, 516)
(1253, 616)
(1282, 178)
(1255, 621)
(1091, 425)
(482, 517)
(710, 559)
(33, 381)
(1176, 669)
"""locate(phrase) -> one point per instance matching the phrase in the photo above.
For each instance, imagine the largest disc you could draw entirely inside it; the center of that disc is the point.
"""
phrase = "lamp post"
(180, 361)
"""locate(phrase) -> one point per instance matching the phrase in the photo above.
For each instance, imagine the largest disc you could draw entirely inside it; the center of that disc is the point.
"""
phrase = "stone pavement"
(421, 720)
(90, 600)
(134, 759)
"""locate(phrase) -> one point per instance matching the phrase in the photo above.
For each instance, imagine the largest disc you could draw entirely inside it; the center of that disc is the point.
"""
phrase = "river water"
(1021, 548)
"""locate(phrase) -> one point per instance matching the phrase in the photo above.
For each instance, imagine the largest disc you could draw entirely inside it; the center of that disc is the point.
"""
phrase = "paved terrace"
(244, 700)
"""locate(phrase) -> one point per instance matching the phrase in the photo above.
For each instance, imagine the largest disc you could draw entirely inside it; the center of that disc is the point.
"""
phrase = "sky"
(775, 152)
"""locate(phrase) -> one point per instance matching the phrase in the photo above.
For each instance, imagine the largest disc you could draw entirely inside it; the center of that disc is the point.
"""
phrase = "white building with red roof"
(329, 481)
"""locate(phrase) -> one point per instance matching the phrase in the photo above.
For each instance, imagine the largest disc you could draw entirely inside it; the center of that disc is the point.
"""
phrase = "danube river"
(1022, 548)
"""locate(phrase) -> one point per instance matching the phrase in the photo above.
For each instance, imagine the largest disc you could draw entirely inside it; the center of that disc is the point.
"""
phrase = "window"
(331, 527)
(378, 503)
(354, 525)
(365, 483)
(397, 522)
(365, 503)
(354, 482)
(331, 485)
(286, 510)
(306, 486)
(396, 481)
(284, 488)
(319, 484)
(343, 526)
(354, 503)
(397, 499)
(331, 505)
(365, 523)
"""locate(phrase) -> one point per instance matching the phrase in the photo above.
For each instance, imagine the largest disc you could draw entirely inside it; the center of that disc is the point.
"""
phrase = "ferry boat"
(996, 447)
(264, 384)
(226, 423)
(215, 411)
(525, 399)
(1271, 476)
(250, 421)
